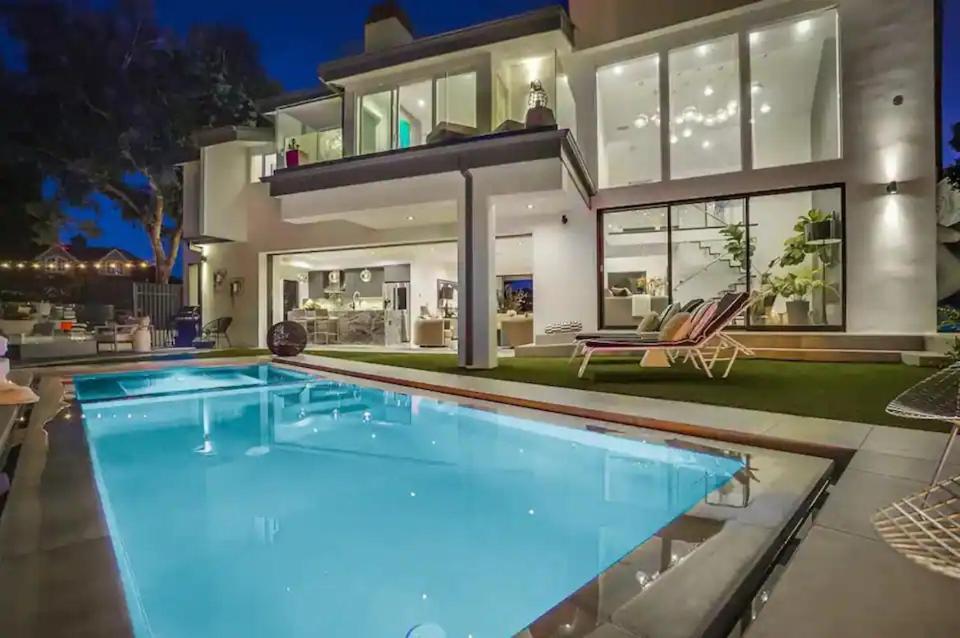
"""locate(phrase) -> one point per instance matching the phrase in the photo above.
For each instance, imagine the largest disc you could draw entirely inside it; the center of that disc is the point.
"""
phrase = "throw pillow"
(620, 292)
(676, 325)
(683, 331)
(649, 323)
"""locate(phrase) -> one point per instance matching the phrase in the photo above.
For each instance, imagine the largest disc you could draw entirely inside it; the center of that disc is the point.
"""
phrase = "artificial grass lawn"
(843, 391)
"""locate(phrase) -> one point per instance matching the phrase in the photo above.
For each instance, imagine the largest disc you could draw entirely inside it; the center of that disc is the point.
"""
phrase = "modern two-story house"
(589, 167)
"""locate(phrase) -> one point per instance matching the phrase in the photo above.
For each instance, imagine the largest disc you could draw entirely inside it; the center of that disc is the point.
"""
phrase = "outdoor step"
(832, 341)
(830, 355)
(925, 359)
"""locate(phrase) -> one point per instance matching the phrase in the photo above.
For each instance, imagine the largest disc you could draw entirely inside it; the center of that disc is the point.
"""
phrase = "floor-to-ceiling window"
(786, 247)
(704, 109)
(636, 265)
(796, 115)
(406, 116)
(776, 85)
(628, 124)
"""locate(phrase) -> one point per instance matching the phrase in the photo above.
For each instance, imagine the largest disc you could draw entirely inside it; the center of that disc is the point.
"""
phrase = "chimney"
(387, 26)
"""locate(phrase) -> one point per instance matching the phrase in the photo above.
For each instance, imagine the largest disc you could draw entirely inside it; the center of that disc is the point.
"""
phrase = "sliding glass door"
(785, 247)
(405, 116)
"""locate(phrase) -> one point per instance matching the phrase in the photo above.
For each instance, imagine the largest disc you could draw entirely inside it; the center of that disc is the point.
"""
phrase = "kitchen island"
(371, 327)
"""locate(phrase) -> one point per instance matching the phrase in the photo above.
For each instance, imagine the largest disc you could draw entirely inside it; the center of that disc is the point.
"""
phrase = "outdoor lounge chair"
(702, 341)
(217, 329)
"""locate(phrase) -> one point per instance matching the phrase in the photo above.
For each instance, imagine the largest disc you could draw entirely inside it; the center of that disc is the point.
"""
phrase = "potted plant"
(819, 228)
(735, 236)
(794, 287)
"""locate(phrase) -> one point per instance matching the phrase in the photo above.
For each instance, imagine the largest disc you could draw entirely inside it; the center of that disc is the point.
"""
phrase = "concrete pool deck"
(842, 580)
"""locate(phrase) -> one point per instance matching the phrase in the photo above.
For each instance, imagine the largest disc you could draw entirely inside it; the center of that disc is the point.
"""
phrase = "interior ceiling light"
(765, 108)
(756, 88)
(687, 132)
(674, 139)
(708, 90)
(703, 50)
(641, 121)
(706, 144)
(804, 27)
(754, 37)
(618, 70)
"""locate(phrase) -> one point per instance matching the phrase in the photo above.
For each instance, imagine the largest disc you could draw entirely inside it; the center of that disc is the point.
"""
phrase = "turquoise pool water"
(168, 381)
(328, 509)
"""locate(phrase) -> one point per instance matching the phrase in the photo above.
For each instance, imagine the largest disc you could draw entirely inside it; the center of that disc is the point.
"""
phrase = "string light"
(69, 266)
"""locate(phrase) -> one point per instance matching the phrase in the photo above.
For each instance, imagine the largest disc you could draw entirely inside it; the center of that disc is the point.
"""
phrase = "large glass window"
(376, 122)
(307, 133)
(635, 266)
(628, 124)
(415, 114)
(788, 248)
(704, 109)
(457, 99)
(798, 258)
(796, 97)
(708, 249)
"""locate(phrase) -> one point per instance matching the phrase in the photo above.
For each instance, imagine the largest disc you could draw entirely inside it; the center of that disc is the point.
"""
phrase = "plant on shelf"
(735, 238)
(796, 247)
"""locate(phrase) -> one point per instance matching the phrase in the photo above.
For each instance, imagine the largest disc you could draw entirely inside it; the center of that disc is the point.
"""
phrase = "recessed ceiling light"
(706, 144)
(703, 50)
(421, 103)
(708, 90)
(756, 88)
(674, 139)
(804, 26)
(765, 108)
(687, 132)
(409, 218)
(529, 206)
(618, 70)
(641, 121)
(754, 37)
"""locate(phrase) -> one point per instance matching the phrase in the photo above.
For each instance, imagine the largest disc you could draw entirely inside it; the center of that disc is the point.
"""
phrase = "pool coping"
(63, 426)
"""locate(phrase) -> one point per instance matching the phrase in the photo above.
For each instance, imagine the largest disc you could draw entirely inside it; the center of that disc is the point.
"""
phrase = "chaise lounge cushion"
(650, 323)
(676, 328)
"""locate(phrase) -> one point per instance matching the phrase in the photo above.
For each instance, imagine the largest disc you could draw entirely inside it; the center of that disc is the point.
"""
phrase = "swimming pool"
(170, 381)
(323, 508)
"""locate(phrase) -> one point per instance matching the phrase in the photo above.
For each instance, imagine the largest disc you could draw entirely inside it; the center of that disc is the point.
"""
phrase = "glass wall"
(628, 124)
(635, 265)
(788, 248)
(704, 109)
(376, 122)
(457, 100)
(708, 249)
(414, 114)
(798, 260)
(793, 110)
(308, 133)
(517, 81)
(796, 114)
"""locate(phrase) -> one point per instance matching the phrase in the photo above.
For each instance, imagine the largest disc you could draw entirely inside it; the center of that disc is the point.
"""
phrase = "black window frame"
(746, 197)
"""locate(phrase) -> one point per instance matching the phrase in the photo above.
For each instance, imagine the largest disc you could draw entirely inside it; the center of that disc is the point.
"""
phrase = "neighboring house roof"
(87, 253)
(540, 21)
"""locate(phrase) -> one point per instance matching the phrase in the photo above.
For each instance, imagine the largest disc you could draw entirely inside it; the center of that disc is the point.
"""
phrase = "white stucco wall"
(887, 49)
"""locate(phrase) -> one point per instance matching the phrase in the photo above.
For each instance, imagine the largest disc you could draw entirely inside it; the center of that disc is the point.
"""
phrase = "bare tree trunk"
(163, 259)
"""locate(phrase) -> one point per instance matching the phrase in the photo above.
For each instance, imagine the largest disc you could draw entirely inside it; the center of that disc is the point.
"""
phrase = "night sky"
(295, 35)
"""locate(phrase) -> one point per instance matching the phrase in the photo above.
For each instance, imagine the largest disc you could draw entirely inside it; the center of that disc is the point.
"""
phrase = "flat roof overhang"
(553, 18)
(497, 149)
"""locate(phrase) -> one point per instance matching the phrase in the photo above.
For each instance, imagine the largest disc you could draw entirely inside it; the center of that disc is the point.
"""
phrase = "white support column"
(476, 247)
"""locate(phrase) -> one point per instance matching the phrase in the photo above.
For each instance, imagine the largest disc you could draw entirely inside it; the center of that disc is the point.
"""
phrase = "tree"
(113, 100)
(953, 172)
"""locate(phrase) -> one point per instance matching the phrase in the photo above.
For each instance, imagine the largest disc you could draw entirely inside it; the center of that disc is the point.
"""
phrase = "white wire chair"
(925, 527)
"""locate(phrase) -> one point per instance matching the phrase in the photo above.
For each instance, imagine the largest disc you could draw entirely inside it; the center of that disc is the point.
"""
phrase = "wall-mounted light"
(893, 188)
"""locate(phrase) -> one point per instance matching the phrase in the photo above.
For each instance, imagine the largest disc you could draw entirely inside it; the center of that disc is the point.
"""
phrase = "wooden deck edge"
(840, 455)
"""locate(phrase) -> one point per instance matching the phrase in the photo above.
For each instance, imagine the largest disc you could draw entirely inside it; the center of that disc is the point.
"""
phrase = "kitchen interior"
(387, 296)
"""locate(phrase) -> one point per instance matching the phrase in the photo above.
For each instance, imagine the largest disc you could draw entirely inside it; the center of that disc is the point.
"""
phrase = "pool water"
(329, 509)
(104, 387)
